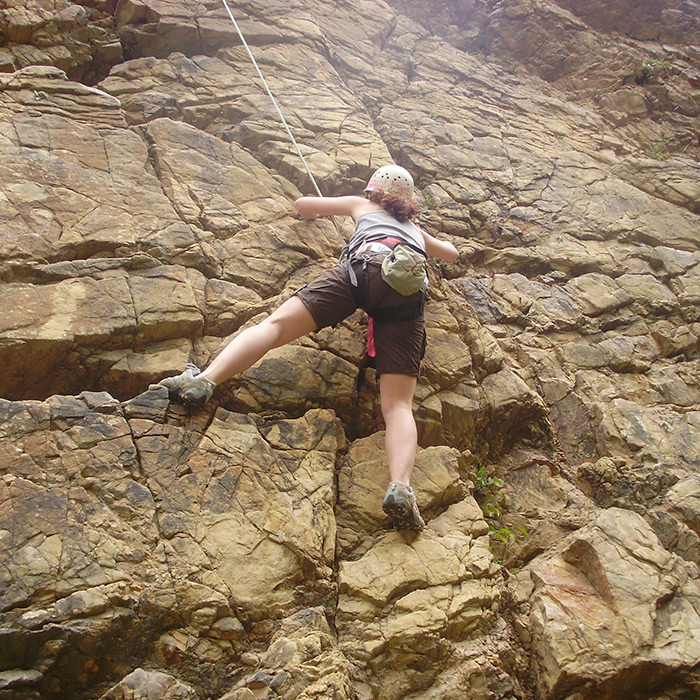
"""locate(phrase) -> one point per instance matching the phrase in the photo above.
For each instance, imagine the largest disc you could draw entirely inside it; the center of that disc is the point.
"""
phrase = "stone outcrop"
(632, 604)
(240, 552)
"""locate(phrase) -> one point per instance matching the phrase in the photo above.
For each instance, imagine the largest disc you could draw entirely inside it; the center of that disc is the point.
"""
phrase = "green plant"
(658, 149)
(507, 536)
(479, 56)
(502, 538)
(487, 482)
(647, 71)
(430, 201)
(489, 493)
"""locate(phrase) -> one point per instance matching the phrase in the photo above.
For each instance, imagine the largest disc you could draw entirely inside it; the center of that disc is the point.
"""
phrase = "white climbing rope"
(279, 111)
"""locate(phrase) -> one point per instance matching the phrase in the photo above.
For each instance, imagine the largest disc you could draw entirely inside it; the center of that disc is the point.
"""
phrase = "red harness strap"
(370, 338)
(389, 241)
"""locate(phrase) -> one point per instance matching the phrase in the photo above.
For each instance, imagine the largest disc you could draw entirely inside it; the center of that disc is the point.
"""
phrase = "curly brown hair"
(400, 208)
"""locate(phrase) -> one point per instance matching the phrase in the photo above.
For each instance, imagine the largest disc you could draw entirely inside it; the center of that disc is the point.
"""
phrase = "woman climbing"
(383, 226)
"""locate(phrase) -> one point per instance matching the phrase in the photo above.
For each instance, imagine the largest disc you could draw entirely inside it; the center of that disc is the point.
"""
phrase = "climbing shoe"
(189, 387)
(400, 503)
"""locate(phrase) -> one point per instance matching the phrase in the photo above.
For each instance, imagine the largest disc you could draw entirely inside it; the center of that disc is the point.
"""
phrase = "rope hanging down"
(279, 111)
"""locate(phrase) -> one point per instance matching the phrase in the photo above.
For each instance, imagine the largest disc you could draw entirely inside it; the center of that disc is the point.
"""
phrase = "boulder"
(634, 606)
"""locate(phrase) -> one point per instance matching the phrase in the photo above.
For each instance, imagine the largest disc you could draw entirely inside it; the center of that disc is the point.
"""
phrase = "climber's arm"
(315, 207)
(439, 249)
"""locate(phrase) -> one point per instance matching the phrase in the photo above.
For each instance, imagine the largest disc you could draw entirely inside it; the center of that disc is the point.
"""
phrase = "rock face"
(240, 552)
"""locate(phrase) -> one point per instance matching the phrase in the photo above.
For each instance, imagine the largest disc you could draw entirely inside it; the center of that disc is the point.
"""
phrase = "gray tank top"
(377, 223)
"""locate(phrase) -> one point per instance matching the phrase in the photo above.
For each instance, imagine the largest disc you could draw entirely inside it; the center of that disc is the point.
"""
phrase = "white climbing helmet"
(391, 178)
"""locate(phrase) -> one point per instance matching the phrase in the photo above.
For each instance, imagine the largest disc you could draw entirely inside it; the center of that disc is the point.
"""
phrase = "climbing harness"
(279, 112)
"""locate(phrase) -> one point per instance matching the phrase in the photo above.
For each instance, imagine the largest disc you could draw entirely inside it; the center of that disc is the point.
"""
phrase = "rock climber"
(384, 220)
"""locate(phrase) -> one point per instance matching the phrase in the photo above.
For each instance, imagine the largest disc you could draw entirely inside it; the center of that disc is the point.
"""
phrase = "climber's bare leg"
(288, 322)
(396, 391)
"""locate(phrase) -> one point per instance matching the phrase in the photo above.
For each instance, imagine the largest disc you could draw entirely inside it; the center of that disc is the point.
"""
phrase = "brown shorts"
(400, 345)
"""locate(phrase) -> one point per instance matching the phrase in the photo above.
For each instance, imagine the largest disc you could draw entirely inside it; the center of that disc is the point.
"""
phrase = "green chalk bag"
(404, 269)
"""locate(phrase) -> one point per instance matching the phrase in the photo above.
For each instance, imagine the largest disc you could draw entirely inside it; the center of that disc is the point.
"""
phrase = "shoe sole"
(395, 509)
(198, 402)
(408, 524)
(175, 394)
(402, 515)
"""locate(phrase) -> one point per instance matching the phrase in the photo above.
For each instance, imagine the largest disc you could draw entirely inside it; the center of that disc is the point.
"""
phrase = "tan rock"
(687, 289)
(226, 174)
(674, 181)
(303, 660)
(673, 340)
(88, 458)
(447, 358)
(150, 685)
(228, 306)
(41, 322)
(547, 305)
(671, 261)
(583, 355)
(628, 424)
(407, 593)
(629, 354)
(514, 411)
(195, 88)
(129, 533)
(295, 378)
(683, 499)
(85, 50)
(146, 220)
(647, 290)
(258, 551)
(77, 193)
(364, 477)
(597, 294)
(675, 385)
(553, 382)
(77, 307)
(587, 584)
(125, 374)
(628, 103)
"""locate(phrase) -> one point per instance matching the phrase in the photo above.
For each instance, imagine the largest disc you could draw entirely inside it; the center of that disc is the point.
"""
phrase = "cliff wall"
(240, 552)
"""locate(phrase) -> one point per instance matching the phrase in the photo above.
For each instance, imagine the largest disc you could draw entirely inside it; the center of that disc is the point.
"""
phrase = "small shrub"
(489, 493)
(647, 71)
